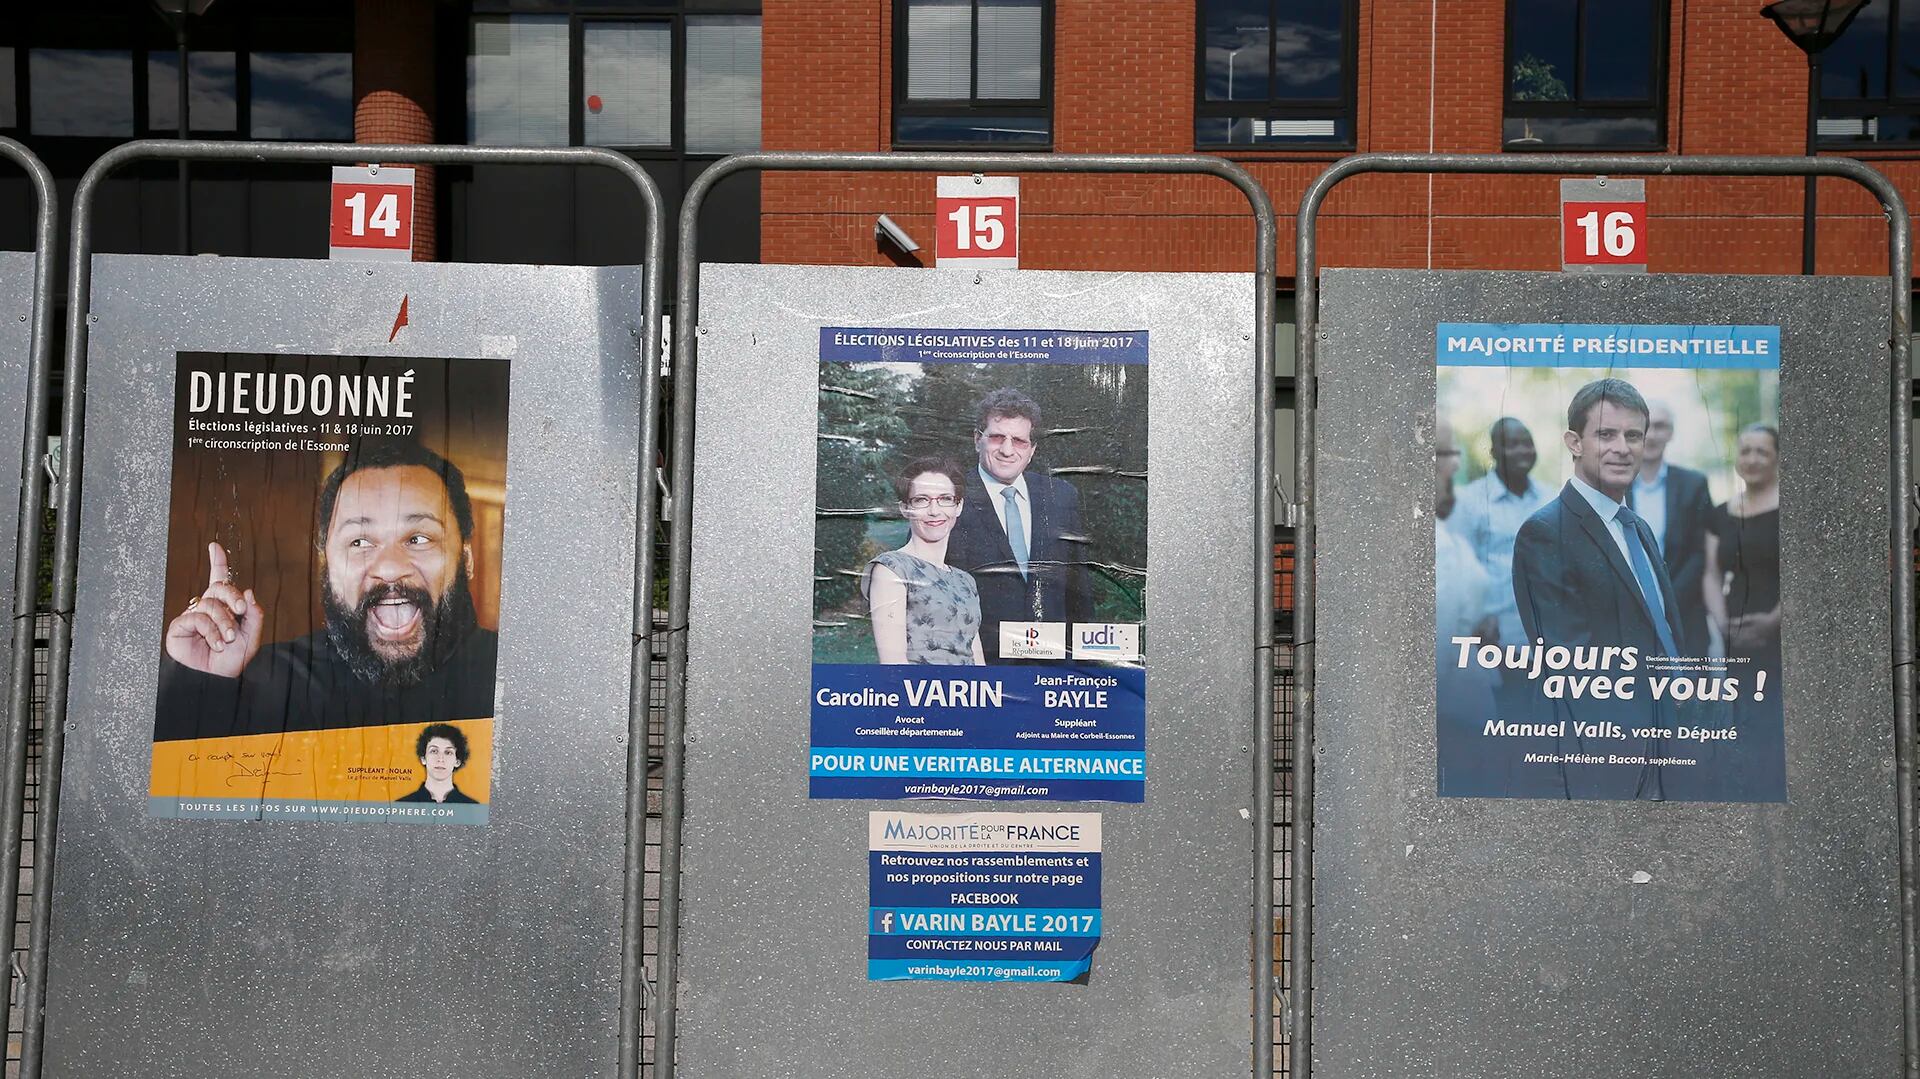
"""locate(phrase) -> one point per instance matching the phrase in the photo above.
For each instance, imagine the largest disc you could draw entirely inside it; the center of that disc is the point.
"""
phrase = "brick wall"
(393, 94)
(1430, 78)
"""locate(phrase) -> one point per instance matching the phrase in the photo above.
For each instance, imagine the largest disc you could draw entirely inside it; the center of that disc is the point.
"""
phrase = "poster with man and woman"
(980, 563)
(1607, 562)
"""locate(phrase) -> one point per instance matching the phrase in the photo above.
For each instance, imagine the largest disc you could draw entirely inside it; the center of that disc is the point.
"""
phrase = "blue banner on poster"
(1579, 344)
(1607, 567)
(879, 344)
(980, 565)
(982, 897)
(1075, 733)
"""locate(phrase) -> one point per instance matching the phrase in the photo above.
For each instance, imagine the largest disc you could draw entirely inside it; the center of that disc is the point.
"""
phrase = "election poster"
(1607, 562)
(333, 564)
(980, 559)
(982, 897)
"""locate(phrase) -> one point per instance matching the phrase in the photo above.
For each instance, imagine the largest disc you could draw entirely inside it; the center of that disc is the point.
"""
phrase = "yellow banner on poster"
(358, 764)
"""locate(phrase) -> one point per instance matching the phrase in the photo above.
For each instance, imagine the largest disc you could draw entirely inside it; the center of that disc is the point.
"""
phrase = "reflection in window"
(212, 89)
(627, 82)
(517, 81)
(973, 71)
(1585, 73)
(9, 108)
(86, 92)
(1870, 77)
(1274, 71)
(300, 95)
(723, 84)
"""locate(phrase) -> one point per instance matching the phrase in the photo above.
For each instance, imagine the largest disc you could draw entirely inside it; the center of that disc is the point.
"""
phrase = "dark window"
(972, 73)
(301, 95)
(213, 91)
(1870, 77)
(1586, 74)
(9, 106)
(1275, 73)
(80, 92)
(662, 81)
(282, 71)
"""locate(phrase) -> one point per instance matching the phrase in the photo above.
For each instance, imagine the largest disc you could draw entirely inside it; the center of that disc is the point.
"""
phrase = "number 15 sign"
(976, 222)
(372, 214)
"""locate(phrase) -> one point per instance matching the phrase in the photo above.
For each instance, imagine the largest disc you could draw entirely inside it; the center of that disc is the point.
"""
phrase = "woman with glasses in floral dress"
(923, 610)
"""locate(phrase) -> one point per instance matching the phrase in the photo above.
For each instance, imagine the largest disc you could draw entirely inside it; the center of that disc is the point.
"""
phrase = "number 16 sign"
(976, 222)
(1603, 226)
(372, 214)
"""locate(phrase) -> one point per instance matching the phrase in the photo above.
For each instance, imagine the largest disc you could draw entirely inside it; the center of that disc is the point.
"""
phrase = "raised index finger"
(217, 556)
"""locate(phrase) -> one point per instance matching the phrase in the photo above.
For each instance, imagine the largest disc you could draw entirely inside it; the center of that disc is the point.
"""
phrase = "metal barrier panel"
(1484, 936)
(775, 923)
(16, 330)
(359, 947)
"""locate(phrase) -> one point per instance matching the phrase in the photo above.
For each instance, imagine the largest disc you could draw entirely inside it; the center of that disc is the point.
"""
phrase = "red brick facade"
(1429, 78)
(393, 94)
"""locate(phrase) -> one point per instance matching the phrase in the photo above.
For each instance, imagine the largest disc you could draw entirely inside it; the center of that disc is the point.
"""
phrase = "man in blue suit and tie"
(1586, 569)
(1587, 573)
(1020, 534)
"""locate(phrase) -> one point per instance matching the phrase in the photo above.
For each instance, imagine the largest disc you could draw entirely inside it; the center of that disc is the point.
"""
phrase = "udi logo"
(1033, 640)
(1106, 640)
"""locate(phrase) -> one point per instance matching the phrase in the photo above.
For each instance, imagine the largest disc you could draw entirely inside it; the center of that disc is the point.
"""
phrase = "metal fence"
(42, 630)
(656, 744)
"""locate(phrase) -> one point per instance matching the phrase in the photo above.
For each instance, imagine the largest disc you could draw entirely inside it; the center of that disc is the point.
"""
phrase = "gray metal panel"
(1490, 937)
(16, 326)
(199, 948)
(773, 934)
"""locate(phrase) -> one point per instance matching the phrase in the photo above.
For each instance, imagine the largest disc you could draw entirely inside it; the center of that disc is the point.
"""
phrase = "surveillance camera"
(886, 228)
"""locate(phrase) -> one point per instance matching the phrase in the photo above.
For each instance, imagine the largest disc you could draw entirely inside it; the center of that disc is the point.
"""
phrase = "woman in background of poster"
(1742, 581)
(923, 610)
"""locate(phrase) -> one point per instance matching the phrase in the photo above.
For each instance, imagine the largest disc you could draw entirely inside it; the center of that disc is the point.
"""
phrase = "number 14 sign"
(372, 214)
(976, 222)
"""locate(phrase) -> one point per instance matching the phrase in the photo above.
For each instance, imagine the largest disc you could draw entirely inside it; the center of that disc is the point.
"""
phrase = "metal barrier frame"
(680, 556)
(26, 566)
(67, 523)
(1900, 269)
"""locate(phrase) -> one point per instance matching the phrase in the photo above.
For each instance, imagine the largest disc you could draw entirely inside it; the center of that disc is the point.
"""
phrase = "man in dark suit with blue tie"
(1586, 569)
(1020, 533)
(1587, 573)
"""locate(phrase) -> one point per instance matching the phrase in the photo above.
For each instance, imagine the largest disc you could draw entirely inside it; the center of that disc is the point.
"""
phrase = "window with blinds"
(626, 83)
(972, 72)
(723, 84)
(658, 82)
(517, 81)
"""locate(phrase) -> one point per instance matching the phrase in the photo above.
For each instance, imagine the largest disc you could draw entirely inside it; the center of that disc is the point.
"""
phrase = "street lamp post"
(1812, 25)
(177, 13)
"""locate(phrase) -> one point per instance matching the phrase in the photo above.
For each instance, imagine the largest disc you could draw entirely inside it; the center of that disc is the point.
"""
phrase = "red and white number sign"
(1603, 225)
(372, 214)
(976, 222)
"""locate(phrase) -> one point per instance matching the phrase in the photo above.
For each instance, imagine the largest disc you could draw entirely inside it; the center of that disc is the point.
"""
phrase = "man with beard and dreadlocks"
(401, 644)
